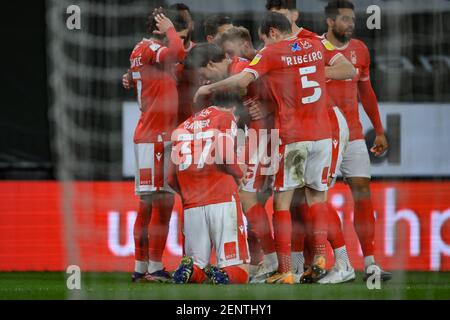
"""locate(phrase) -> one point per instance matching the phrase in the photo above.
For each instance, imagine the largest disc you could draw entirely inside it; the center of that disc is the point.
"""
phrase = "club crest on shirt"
(353, 56)
(305, 44)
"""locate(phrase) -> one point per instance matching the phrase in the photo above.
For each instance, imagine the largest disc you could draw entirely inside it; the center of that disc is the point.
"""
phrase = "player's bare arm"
(341, 69)
(237, 82)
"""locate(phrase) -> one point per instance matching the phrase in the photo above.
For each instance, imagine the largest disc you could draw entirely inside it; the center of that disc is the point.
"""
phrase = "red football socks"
(298, 215)
(282, 227)
(236, 275)
(319, 218)
(140, 231)
(364, 220)
(198, 275)
(335, 234)
(259, 222)
(159, 227)
(255, 249)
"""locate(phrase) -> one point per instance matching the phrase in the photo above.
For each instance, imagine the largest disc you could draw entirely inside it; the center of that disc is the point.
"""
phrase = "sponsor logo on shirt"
(295, 47)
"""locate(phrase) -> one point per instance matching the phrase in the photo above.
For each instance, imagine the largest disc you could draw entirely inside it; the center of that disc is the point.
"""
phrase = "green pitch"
(52, 285)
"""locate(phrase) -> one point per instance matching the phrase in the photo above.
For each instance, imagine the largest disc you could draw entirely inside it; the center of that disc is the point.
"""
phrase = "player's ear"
(330, 22)
(210, 65)
(295, 15)
(272, 32)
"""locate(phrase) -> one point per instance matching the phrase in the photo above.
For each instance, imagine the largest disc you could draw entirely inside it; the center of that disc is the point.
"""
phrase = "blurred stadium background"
(66, 190)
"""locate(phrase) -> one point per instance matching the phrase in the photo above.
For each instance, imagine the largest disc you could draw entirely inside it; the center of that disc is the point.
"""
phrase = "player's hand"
(162, 23)
(202, 92)
(380, 145)
(256, 110)
(127, 81)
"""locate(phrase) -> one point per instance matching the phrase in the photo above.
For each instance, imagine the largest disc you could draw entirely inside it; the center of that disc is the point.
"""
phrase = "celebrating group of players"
(195, 99)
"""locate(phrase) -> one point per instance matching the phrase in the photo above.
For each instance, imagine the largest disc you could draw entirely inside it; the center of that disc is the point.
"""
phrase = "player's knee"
(360, 188)
(248, 200)
(313, 196)
(146, 199)
(282, 200)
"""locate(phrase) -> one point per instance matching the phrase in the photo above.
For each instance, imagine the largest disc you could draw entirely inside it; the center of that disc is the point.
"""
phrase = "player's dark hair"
(332, 8)
(177, 19)
(281, 4)
(179, 7)
(274, 20)
(212, 24)
(202, 54)
(227, 99)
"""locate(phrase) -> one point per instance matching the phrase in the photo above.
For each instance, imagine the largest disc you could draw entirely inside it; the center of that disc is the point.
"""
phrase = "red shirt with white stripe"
(295, 76)
(256, 91)
(345, 92)
(200, 177)
(152, 68)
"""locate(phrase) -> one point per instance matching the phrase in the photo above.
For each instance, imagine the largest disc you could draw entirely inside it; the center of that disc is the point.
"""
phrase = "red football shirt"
(332, 53)
(255, 92)
(200, 178)
(295, 76)
(345, 92)
(156, 92)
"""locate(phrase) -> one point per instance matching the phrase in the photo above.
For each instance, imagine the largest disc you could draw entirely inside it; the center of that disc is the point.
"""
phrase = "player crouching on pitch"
(204, 171)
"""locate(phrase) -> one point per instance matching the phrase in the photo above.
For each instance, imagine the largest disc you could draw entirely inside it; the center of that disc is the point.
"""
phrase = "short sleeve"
(152, 52)
(262, 63)
(330, 52)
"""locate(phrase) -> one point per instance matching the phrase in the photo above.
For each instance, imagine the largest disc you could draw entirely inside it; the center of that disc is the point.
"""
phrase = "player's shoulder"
(357, 44)
(320, 40)
(238, 64)
(220, 116)
(151, 44)
(305, 33)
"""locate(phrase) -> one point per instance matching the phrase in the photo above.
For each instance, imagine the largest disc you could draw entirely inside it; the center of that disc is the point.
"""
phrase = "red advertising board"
(50, 225)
